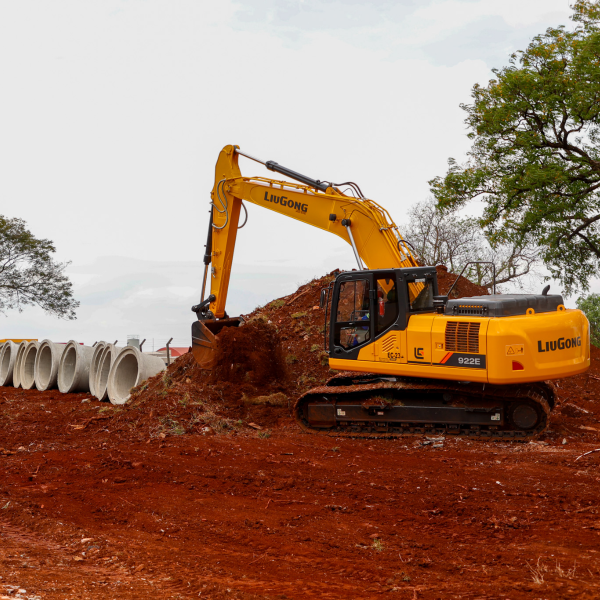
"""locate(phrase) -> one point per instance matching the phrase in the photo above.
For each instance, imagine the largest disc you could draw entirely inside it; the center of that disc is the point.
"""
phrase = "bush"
(590, 305)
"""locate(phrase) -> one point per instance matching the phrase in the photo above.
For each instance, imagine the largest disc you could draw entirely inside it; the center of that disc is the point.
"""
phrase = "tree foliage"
(535, 158)
(29, 275)
(590, 305)
(445, 238)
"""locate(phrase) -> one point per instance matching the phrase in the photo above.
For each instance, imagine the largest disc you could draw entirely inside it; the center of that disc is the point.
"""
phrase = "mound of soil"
(463, 288)
(250, 355)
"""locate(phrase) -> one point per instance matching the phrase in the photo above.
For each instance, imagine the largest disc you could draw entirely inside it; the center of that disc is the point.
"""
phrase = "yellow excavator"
(411, 361)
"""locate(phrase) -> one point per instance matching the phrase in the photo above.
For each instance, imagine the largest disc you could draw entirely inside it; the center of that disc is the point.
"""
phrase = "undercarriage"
(370, 405)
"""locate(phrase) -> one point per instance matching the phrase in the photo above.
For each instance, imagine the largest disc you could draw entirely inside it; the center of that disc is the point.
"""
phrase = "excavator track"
(376, 406)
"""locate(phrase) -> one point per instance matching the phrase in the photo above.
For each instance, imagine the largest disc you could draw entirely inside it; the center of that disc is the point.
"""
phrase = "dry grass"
(540, 570)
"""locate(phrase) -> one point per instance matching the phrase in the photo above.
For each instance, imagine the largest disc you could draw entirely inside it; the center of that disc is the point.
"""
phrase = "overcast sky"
(113, 114)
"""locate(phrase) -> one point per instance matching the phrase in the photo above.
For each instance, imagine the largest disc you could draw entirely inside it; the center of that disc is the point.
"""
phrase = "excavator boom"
(360, 222)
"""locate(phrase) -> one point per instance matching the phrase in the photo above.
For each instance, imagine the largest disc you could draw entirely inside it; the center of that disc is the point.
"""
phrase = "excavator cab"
(366, 305)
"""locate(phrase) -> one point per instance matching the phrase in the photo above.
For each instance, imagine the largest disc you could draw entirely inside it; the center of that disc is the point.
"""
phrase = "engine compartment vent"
(462, 336)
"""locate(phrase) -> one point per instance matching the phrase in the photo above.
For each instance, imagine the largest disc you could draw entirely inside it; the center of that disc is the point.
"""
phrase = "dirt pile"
(236, 396)
(463, 288)
(250, 355)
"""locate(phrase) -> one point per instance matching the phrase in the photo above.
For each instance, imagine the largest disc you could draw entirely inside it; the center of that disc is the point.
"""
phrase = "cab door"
(390, 336)
(352, 323)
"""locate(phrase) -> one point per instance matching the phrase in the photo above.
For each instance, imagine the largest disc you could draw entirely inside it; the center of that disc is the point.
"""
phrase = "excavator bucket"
(205, 342)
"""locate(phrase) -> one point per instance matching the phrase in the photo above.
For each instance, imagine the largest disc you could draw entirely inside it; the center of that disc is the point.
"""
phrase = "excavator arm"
(362, 223)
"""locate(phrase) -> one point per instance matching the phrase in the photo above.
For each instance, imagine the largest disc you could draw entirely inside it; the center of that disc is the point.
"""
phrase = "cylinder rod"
(262, 162)
(360, 265)
(204, 283)
(273, 166)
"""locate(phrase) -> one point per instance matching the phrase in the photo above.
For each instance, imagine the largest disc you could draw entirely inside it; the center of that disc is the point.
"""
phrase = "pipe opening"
(126, 374)
(5, 364)
(69, 364)
(44, 366)
(29, 368)
(95, 365)
(103, 373)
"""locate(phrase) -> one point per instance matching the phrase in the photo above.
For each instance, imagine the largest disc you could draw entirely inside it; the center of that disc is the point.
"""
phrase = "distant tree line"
(445, 238)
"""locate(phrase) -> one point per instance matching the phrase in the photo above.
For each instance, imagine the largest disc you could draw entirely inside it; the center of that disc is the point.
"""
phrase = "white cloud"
(446, 15)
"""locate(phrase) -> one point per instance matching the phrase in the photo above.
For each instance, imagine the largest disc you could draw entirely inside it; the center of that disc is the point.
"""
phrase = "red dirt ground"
(199, 489)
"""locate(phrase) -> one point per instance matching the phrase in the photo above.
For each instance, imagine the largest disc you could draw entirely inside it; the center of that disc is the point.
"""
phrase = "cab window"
(420, 293)
(387, 304)
(353, 318)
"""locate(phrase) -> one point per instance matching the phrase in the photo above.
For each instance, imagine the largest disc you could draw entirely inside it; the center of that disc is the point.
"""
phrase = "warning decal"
(515, 350)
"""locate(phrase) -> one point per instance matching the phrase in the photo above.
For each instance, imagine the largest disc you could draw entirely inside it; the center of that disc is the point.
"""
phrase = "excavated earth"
(204, 487)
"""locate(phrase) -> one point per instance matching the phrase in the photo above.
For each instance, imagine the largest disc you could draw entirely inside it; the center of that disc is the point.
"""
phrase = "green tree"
(535, 159)
(590, 305)
(29, 275)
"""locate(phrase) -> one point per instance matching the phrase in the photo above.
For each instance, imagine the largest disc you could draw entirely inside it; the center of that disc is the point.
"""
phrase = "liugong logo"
(283, 201)
(559, 344)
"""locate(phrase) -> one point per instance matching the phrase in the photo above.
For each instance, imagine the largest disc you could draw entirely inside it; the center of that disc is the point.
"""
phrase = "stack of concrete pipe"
(105, 370)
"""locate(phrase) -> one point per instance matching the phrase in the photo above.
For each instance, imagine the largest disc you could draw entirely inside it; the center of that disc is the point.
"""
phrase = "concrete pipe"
(106, 362)
(28, 365)
(18, 362)
(129, 369)
(46, 365)
(95, 364)
(74, 368)
(7, 362)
